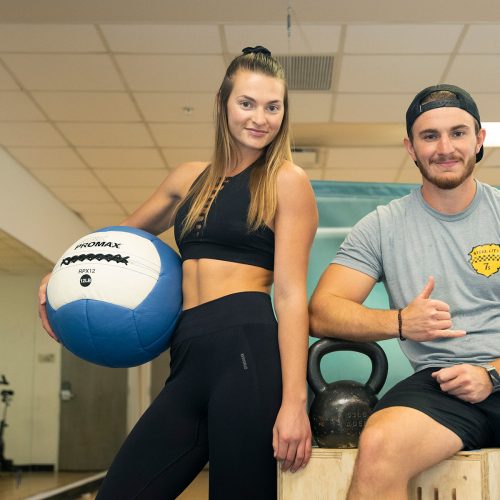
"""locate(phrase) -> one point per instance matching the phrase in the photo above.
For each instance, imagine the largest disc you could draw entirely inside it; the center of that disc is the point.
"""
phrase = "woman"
(237, 386)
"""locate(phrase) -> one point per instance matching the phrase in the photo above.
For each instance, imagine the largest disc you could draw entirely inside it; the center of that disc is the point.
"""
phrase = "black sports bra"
(225, 235)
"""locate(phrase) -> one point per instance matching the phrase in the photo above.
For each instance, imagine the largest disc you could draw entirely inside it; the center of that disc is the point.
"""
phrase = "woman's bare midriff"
(204, 280)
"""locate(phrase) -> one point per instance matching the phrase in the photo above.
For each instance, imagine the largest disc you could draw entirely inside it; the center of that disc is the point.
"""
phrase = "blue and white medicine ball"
(115, 295)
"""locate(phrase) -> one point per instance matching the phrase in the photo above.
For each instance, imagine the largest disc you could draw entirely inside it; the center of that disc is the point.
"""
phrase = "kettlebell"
(340, 409)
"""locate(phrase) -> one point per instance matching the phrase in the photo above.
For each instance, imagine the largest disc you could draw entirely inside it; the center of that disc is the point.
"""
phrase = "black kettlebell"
(340, 409)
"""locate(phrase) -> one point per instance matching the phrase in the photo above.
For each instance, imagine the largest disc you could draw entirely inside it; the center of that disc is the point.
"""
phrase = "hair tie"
(257, 50)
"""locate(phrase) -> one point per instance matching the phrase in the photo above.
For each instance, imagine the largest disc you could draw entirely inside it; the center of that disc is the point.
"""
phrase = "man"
(437, 251)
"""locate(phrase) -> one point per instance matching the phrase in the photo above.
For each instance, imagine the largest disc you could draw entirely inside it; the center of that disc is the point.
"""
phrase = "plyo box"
(468, 475)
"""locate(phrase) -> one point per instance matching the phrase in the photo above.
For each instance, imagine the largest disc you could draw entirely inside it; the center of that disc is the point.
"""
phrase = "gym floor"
(15, 486)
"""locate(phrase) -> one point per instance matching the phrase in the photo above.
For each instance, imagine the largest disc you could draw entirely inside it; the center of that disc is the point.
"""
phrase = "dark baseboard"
(30, 468)
(77, 491)
(73, 490)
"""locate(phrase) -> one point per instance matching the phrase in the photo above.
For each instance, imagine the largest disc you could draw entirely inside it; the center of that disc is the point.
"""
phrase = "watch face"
(495, 377)
(496, 381)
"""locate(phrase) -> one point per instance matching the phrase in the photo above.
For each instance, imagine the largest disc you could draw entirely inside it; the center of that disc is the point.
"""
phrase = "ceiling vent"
(305, 157)
(308, 72)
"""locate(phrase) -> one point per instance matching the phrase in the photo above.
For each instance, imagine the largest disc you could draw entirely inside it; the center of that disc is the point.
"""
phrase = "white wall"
(33, 416)
(30, 213)
(31, 362)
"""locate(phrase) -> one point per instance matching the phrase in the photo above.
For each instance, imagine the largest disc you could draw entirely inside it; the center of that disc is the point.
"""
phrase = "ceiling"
(99, 102)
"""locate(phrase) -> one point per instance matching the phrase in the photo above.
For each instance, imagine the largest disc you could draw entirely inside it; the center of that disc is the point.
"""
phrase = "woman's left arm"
(295, 226)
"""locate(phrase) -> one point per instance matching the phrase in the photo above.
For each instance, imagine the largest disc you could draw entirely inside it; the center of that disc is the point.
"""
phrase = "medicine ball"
(115, 295)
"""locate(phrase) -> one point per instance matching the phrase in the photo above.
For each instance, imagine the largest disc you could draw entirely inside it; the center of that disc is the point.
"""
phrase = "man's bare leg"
(397, 444)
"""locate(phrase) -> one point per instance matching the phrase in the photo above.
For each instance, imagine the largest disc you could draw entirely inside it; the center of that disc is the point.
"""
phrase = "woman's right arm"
(155, 215)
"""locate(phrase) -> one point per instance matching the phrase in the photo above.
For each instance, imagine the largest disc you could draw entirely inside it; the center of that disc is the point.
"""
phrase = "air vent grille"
(305, 157)
(308, 72)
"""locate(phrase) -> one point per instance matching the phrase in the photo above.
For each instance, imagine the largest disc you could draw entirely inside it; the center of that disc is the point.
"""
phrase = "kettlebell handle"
(324, 346)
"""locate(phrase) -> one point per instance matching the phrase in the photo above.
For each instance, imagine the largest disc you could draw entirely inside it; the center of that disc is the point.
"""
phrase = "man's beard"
(447, 182)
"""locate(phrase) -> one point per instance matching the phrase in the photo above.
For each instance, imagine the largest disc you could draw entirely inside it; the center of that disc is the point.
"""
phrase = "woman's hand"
(292, 437)
(42, 311)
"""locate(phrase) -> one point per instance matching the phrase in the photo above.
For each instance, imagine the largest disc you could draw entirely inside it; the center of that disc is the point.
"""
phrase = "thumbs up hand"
(427, 319)
(428, 289)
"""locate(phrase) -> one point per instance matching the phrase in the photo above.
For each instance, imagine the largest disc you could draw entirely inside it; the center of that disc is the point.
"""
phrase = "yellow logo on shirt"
(485, 259)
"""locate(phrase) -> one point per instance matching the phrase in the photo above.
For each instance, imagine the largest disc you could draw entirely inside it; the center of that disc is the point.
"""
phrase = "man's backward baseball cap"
(463, 100)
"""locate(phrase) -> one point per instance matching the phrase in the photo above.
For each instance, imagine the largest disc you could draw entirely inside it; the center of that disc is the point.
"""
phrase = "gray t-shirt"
(406, 241)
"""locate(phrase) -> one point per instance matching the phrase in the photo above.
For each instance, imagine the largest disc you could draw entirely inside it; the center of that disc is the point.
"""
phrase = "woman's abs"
(204, 280)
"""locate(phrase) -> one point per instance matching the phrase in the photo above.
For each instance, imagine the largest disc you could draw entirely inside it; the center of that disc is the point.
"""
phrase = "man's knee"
(380, 449)
(375, 470)
(376, 441)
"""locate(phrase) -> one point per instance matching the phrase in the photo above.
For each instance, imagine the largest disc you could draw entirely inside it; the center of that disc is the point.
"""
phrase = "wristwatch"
(494, 376)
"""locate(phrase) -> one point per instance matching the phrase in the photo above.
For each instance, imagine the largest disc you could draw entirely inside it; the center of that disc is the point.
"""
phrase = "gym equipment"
(467, 475)
(115, 295)
(340, 409)
(6, 396)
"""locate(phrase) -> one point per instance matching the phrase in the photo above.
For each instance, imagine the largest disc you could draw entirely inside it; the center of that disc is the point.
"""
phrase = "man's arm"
(336, 310)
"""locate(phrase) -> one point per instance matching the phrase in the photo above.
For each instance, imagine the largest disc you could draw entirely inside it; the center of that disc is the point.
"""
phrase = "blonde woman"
(236, 395)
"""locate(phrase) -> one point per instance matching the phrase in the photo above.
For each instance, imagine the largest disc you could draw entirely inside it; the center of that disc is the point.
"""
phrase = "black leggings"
(218, 405)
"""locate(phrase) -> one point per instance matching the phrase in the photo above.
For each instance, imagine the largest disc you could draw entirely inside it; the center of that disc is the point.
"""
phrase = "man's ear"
(481, 136)
(409, 148)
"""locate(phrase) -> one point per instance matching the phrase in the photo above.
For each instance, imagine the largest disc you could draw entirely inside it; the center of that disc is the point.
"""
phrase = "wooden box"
(470, 475)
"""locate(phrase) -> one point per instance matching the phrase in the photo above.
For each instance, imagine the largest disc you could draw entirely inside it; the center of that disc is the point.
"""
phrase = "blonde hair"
(263, 196)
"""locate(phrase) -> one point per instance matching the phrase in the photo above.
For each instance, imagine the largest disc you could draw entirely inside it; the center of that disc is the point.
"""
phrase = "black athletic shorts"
(476, 424)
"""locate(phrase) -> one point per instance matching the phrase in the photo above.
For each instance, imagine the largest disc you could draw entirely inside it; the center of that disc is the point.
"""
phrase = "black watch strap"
(494, 376)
